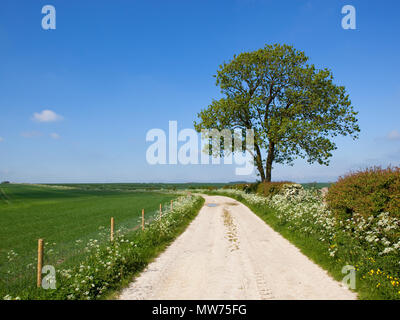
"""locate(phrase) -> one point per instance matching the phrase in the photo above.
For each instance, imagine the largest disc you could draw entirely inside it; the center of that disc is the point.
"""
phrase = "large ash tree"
(294, 108)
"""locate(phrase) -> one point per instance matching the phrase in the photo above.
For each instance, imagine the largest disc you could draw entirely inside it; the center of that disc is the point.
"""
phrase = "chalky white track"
(227, 252)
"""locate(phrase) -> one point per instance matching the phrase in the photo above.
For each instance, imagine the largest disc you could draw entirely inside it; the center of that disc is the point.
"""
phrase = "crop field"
(66, 217)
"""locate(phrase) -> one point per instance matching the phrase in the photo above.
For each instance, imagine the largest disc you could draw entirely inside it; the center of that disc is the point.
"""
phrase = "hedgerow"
(271, 188)
(366, 193)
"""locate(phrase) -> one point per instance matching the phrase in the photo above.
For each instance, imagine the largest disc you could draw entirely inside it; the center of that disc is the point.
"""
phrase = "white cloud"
(393, 135)
(46, 116)
(55, 135)
(1, 139)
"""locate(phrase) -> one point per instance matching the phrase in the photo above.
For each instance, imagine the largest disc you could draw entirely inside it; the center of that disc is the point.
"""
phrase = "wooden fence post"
(112, 229)
(142, 219)
(40, 263)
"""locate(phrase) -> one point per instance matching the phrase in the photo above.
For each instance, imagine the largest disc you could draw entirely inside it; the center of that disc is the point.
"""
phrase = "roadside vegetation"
(75, 222)
(367, 238)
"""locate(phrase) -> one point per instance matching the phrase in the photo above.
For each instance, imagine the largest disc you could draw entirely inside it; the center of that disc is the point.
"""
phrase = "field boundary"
(113, 294)
(67, 221)
(110, 266)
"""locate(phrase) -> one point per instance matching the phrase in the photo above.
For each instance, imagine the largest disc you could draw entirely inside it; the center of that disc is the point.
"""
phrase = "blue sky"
(112, 70)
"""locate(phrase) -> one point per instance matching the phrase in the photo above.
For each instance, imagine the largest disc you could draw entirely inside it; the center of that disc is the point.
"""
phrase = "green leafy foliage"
(293, 107)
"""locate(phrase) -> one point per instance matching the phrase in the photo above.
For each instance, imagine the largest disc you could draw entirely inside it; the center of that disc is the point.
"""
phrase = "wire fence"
(17, 272)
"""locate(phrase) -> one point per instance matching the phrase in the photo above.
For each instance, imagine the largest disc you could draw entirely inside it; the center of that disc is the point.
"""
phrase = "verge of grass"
(156, 251)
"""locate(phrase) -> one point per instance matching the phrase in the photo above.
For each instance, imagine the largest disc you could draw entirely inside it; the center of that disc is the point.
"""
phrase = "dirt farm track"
(228, 252)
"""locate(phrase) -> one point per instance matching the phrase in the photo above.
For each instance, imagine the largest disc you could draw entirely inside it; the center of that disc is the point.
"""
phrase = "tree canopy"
(294, 108)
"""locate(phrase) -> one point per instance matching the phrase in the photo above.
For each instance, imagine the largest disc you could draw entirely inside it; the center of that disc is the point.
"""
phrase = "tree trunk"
(259, 164)
(270, 160)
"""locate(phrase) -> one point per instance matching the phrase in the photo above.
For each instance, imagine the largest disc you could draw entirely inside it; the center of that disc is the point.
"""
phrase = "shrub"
(271, 188)
(252, 187)
(366, 193)
(246, 187)
(239, 186)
